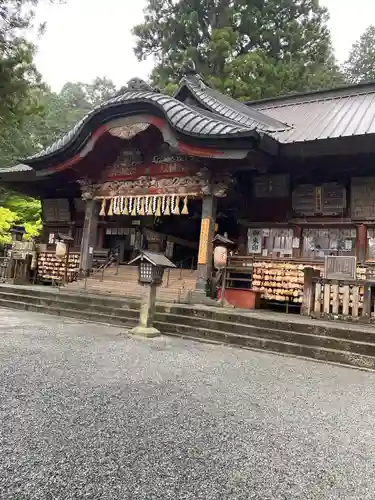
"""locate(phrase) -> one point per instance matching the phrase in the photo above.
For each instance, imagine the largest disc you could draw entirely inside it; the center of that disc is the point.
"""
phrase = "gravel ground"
(88, 412)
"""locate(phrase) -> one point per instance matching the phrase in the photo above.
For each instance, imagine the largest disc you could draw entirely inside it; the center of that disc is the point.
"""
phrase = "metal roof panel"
(342, 115)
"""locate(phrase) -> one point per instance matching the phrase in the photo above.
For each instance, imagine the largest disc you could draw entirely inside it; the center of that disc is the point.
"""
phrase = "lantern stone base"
(145, 331)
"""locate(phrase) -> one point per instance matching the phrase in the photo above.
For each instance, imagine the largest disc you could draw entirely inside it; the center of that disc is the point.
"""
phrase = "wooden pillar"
(101, 237)
(89, 235)
(297, 233)
(361, 243)
(207, 235)
(308, 291)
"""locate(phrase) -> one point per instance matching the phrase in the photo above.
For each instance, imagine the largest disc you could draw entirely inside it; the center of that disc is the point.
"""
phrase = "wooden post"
(223, 285)
(355, 309)
(327, 298)
(101, 237)
(89, 234)
(361, 243)
(346, 300)
(318, 299)
(204, 268)
(335, 291)
(367, 301)
(308, 291)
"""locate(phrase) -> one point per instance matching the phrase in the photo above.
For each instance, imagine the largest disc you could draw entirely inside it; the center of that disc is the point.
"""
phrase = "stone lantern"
(17, 233)
(151, 266)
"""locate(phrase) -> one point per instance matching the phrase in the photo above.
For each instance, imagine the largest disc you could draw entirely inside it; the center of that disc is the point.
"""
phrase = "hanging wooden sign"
(203, 241)
(56, 210)
(255, 241)
(271, 186)
(327, 199)
(362, 198)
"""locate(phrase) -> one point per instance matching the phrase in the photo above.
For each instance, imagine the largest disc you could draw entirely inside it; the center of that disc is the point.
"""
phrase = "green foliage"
(278, 46)
(360, 66)
(56, 114)
(7, 219)
(19, 210)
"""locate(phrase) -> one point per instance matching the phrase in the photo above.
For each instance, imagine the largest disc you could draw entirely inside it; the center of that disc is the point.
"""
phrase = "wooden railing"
(4, 269)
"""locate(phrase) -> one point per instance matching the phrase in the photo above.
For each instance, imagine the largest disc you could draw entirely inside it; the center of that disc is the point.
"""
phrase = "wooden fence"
(4, 269)
(337, 299)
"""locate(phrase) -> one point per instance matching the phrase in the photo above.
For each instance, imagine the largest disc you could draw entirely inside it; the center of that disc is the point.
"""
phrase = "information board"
(340, 267)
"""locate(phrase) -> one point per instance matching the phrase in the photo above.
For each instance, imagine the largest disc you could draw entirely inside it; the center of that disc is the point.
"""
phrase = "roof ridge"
(228, 107)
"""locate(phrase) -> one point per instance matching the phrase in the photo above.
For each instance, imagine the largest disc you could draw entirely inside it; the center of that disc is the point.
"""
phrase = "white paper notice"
(295, 243)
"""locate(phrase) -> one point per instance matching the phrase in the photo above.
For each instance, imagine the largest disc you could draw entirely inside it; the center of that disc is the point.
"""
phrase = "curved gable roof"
(183, 118)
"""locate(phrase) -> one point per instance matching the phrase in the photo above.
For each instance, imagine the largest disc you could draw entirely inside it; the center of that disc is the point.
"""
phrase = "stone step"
(170, 294)
(264, 343)
(121, 311)
(352, 346)
(90, 316)
(191, 324)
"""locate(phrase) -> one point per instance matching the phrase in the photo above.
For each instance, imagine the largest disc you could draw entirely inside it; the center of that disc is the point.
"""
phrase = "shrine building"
(288, 179)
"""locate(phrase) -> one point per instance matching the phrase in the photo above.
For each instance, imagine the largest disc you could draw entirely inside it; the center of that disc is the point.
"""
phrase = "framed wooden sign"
(340, 267)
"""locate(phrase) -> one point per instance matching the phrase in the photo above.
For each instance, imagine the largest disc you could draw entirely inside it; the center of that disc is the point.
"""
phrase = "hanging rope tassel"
(158, 208)
(103, 207)
(116, 206)
(134, 211)
(185, 210)
(141, 210)
(125, 211)
(110, 210)
(130, 206)
(149, 211)
(167, 205)
(176, 210)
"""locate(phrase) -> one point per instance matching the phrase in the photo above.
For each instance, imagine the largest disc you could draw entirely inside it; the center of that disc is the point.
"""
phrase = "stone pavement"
(88, 412)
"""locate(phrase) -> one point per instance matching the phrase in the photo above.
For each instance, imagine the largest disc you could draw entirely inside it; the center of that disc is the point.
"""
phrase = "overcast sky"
(89, 38)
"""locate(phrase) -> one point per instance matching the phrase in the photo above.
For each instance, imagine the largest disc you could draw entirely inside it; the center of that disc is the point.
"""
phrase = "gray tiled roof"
(324, 115)
(182, 117)
(156, 258)
(230, 108)
(16, 168)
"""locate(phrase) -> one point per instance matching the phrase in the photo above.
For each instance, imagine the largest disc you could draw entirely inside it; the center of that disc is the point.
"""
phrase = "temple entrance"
(176, 237)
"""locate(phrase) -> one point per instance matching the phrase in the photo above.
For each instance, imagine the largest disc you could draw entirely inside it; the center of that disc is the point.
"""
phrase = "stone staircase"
(348, 344)
(123, 282)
